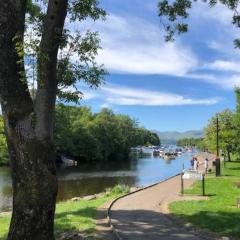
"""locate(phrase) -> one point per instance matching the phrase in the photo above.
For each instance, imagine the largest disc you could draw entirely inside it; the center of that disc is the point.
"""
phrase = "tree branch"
(14, 95)
(47, 64)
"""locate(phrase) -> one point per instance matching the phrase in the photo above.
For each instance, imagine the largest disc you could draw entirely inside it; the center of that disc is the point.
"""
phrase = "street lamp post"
(217, 160)
(217, 129)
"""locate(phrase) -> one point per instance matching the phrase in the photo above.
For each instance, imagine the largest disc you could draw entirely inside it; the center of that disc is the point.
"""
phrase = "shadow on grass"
(225, 223)
(232, 168)
(4, 237)
(142, 224)
(233, 161)
(227, 175)
(77, 220)
(86, 212)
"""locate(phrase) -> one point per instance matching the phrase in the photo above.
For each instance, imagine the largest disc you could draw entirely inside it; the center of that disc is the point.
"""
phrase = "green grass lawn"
(220, 213)
(73, 215)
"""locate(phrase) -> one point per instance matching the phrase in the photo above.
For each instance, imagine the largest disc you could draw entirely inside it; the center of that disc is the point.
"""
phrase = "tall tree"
(28, 114)
(237, 122)
(227, 133)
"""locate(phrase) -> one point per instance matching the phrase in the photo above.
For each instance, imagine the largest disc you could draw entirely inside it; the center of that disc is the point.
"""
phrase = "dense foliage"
(3, 145)
(191, 142)
(226, 132)
(237, 124)
(83, 135)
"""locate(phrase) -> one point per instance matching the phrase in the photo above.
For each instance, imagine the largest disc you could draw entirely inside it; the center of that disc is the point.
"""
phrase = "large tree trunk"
(28, 133)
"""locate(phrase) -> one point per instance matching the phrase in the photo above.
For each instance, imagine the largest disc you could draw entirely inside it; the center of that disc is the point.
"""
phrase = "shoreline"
(134, 185)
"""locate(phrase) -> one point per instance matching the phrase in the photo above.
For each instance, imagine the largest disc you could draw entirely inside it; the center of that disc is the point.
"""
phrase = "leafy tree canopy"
(174, 15)
(77, 51)
(81, 134)
(226, 132)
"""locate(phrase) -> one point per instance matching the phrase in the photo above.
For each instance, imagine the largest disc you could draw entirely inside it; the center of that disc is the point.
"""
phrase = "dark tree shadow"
(64, 224)
(4, 237)
(139, 225)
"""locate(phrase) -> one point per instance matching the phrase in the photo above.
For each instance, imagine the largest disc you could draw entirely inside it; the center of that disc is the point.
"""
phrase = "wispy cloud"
(122, 95)
(136, 46)
(133, 45)
(222, 65)
(218, 13)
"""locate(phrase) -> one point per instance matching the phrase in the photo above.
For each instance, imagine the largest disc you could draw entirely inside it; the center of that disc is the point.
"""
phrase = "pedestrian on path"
(192, 163)
(196, 164)
(206, 165)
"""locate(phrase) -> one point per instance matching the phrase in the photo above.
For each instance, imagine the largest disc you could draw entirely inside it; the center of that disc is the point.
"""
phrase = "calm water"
(95, 178)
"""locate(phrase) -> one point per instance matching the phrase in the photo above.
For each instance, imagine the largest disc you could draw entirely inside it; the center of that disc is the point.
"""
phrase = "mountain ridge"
(171, 137)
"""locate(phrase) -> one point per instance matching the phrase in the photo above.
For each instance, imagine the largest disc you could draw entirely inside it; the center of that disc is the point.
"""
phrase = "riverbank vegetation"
(220, 213)
(74, 216)
(191, 142)
(84, 135)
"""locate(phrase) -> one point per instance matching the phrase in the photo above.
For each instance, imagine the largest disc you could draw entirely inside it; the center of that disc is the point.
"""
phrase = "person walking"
(206, 165)
(192, 163)
(196, 164)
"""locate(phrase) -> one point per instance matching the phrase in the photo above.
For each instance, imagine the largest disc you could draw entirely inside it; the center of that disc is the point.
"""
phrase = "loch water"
(90, 178)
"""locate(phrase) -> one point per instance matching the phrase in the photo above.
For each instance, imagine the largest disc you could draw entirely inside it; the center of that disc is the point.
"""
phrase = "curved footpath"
(145, 215)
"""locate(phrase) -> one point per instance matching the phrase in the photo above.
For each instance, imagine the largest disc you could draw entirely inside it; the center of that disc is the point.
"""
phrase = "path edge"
(128, 194)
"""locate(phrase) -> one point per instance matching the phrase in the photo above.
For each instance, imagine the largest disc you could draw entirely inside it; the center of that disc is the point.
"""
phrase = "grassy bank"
(220, 213)
(70, 215)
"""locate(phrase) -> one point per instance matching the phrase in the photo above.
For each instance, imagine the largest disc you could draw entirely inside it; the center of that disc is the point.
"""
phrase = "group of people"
(195, 164)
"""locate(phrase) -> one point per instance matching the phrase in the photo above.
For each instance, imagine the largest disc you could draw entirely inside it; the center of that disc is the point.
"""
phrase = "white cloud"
(105, 105)
(90, 95)
(224, 65)
(136, 46)
(218, 13)
(121, 95)
(231, 82)
(226, 82)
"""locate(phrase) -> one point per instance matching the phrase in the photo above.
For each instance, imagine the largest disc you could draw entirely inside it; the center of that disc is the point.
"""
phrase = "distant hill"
(171, 137)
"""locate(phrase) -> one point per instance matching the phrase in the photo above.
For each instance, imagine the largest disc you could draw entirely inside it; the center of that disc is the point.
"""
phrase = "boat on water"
(179, 151)
(156, 153)
(169, 155)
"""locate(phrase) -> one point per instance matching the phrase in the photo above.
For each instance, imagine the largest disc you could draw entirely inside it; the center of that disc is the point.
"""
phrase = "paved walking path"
(144, 214)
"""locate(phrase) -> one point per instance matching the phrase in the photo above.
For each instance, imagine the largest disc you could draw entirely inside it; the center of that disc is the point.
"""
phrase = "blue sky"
(166, 86)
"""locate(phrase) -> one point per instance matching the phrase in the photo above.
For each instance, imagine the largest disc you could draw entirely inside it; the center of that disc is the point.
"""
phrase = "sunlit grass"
(220, 213)
(4, 225)
(70, 215)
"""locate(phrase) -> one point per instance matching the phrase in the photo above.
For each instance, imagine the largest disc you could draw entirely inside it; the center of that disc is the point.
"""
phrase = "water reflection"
(72, 188)
(5, 188)
(87, 179)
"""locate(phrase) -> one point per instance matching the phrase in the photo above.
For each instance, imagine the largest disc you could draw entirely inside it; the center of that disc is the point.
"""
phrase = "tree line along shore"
(224, 128)
(86, 136)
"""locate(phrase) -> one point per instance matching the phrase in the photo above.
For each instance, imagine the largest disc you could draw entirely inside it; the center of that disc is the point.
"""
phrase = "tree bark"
(29, 127)
(47, 65)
